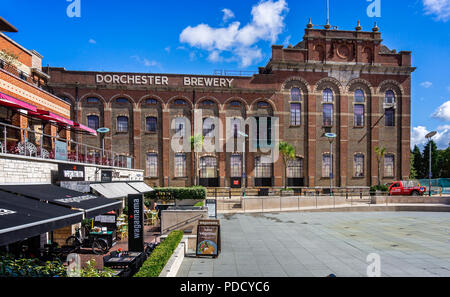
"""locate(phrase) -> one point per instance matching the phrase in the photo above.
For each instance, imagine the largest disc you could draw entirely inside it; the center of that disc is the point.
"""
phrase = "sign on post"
(136, 223)
(208, 238)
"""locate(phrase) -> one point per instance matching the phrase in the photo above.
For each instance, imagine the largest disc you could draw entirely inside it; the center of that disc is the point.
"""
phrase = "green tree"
(444, 163)
(380, 152)
(417, 163)
(434, 159)
(287, 150)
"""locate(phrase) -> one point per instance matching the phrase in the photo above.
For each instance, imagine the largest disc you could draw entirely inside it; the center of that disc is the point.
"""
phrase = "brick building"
(333, 81)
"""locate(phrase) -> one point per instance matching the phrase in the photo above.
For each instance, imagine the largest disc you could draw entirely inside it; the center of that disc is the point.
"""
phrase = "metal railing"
(27, 142)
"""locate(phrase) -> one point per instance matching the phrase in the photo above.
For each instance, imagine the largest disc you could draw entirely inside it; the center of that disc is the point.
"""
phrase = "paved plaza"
(319, 244)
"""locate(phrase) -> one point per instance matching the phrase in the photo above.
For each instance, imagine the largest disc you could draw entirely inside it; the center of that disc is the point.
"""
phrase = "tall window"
(389, 165)
(208, 127)
(236, 166)
(359, 115)
(208, 167)
(296, 114)
(122, 124)
(327, 96)
(180, 165)
(151, 124)
(152, 165)
(327, 114)
(326, 165)
(389, 97)
(235, 127)
(295, 94)
(359, 96)
(295, 168)
(263, 167)
(93, 122)
(389, 117)
(261, 139)
(358, 166)
(180, 127)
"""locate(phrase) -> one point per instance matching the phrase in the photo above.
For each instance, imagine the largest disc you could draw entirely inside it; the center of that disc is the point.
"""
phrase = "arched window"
(359, 115)
(179, 102)
(152, 165)
(296, 94)
(122, 124)
(122, 100)
(327, 95)
(262, 104)
(263, 167)
(92, 100)
(296, 114)
(208, 127)
(208, 167)
(208, 102)
(389, 97)
(151, 124)
(235, 103)
(151, 101)
(93, 122)
(359, 96)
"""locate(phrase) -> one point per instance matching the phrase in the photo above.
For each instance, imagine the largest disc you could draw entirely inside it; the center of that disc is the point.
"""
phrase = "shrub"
(381, 188)
(197, 193)
(153, 266)
(12, 267)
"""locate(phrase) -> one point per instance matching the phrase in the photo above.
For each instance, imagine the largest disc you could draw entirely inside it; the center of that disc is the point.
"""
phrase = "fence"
(26, 142)
(439, 186)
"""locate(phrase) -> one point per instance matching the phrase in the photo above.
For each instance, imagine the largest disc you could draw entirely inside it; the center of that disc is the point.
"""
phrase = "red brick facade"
(340, 61)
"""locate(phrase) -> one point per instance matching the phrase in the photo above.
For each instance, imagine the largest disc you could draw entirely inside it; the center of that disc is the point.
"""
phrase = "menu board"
(208, 238)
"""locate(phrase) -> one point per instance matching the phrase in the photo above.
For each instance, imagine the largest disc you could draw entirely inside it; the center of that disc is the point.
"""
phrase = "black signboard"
(208, 238)
(136, 223)
(106, 176)
(70, 172)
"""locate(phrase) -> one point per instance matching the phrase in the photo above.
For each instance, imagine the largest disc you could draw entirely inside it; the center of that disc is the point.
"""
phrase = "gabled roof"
(6, 27)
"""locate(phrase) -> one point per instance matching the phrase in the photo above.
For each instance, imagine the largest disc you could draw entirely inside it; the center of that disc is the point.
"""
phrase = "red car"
(407, 188)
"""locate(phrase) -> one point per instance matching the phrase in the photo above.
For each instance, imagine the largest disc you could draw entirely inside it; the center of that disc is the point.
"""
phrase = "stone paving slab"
(318, 244)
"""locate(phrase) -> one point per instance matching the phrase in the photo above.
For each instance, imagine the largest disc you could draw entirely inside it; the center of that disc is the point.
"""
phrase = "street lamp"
(244, 174)
(429, 136)
(331, 137)
(102, 132)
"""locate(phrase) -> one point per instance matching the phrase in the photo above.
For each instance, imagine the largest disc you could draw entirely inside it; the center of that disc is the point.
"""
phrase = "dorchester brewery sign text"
(158, 80)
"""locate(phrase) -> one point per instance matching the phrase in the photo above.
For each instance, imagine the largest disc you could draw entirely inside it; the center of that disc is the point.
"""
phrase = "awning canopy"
(80, 127)
(141, 187)
(91, 204)
(22, 218)
(52, 117)
(114, 190)
(9, 101)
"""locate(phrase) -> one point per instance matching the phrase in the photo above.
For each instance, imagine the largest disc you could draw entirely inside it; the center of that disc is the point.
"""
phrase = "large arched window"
(122, 124)
(208, 167)
(296, 114)
(296, 94)
(122, 100)
(327, 96)
(151, 124)
(295, 168)
(359, 96)
(179, 102)
(389, 97)
(93, 122)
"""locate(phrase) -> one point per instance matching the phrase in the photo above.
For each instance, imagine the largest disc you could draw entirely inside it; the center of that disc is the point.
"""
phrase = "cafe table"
(127, 259)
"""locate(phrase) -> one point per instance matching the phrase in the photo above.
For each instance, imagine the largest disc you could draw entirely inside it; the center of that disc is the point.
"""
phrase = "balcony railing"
(26, 142)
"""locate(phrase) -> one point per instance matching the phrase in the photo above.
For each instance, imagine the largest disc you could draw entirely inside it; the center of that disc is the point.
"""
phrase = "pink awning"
(84, 128)
(9, 101)
(52, 117)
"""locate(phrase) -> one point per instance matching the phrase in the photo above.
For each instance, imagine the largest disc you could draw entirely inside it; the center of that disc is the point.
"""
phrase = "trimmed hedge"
(153, 266)
(197, 193)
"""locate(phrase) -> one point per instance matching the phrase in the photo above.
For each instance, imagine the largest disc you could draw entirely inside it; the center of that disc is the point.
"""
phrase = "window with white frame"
(327, 96)
(326, 165)
(152, 165)
(358, 165)
(389, 165)
(236, 166)
(359, 96)
(296, 95)
(296, 114)
(208, 167)
(122, 124)
(263, 167)
(180, 165)
(295, 168)
(93, 122)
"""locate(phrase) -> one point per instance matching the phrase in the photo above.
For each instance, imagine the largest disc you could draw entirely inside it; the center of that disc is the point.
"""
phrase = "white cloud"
(267, 23)
(443, 112)
(92, 41)
(146, 62)
(227, 15)
(168, 49)
(439, 8)
(287, 41)
(442, 138)
(426, 84)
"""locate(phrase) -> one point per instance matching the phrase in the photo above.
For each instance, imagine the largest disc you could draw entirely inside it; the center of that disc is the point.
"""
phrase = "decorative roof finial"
(309, 25)
(358, 27)
(327, 26)
(375, 28)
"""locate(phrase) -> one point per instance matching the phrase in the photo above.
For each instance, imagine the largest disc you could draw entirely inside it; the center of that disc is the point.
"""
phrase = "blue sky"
(165, 37)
